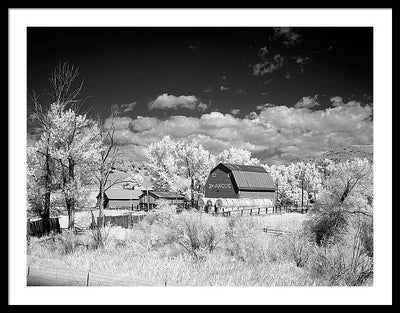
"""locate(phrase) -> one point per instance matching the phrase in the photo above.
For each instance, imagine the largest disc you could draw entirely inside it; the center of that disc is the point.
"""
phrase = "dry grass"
(192, 249)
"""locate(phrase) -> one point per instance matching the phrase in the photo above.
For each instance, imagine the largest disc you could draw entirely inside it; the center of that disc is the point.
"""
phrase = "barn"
(240, 182)
(121, 198)
(148, 199)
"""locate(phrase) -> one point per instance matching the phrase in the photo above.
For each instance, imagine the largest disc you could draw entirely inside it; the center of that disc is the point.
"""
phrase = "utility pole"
(302, 190)
(147, 192)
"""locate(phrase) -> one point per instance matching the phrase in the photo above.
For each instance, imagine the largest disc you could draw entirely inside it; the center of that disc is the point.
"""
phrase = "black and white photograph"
(203, 155)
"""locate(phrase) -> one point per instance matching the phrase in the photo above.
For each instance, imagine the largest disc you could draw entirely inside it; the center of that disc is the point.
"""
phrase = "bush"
(100, 236)
(326, 227)
(299, 248)
(245, 241)
(197, 234)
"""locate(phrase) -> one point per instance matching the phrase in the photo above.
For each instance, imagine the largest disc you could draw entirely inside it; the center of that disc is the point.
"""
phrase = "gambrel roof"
(249, 177)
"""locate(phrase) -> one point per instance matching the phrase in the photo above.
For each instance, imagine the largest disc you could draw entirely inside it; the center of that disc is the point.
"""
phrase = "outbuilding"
(237, 181)
(149, 198)
(121, 198)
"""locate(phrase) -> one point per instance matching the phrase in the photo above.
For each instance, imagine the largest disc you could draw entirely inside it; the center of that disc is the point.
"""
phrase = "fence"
(50, 275)
(125, 221)
(35, 228)
(275, 232)
(256, 211)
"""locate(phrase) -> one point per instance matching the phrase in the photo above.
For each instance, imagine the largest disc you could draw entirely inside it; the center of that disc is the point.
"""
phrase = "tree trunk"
(46, 210)
(101, 206)
(71, 201)
(302, 195)
(192, 191)
(71, 218)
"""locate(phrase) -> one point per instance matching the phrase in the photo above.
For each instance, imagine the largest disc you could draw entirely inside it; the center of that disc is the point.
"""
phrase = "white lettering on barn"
(219, 186)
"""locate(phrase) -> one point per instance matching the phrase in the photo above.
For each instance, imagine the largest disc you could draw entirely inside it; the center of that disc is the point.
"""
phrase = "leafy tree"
(237, 156)
(76, 143)
(179, 166)
(196, 164)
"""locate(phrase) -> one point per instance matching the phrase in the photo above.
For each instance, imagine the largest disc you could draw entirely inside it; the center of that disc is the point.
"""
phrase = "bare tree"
(108, 158)
(62, 95)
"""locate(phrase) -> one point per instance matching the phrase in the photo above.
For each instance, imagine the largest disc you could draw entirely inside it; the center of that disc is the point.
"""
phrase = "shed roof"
(123, 194)
(250, 177)
(166, 194)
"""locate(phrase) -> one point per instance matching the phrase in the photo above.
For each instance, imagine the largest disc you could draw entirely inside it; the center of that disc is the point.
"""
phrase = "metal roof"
(166, 194)
(253, 180)
(245, 168)
(250, 177)
(123, 194)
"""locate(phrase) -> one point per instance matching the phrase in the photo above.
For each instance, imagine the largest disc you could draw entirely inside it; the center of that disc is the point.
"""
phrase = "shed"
(121, 198)
(239, 181)
(148, 199)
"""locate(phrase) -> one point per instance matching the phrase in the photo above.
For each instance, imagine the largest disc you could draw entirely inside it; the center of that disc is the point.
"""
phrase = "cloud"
(223, 88)
(165, 102)
(235, 111)
(338, 101)
(264, 106)
(208, 89)
(307, 102)
(192, 47)
(301, 60)
(269, 66)
(290, 132)
(126, 107)
(224, 77)
(287, 35)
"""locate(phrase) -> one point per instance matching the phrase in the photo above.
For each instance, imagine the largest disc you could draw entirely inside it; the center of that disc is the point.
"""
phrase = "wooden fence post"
(87, 279)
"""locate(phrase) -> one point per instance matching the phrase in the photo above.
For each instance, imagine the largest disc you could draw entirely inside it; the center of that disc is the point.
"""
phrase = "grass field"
(190, 249)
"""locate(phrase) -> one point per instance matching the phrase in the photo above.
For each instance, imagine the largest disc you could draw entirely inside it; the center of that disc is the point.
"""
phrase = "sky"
(281, 92)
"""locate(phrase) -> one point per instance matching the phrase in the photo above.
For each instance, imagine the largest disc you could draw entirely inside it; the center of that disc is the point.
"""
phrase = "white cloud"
(166, 101)
(235, 111)
(264, 106)
(223, 88)
(289, 131)
(269, 66)
(307, 102)
(126, 107)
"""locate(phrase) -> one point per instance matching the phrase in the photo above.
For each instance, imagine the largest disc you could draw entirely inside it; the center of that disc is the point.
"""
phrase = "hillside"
(345, 153)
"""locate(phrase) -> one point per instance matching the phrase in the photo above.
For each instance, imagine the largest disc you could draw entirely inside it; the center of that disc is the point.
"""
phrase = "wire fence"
(50, 275)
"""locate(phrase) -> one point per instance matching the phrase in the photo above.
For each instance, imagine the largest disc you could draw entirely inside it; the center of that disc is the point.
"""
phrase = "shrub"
(197, 234)
(345, 262)
(68, 242)
(100, 236)
(326, 227)
(245, 241)
(299, 248)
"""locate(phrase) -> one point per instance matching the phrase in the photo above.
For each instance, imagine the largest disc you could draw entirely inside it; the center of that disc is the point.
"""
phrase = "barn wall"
(143, 199)
(122, 204)
(220, 186)
(257, 194)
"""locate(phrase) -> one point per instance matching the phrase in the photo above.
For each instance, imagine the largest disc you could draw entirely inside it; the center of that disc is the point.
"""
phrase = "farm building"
(149, 198)
(239, 181)
(121, 198)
